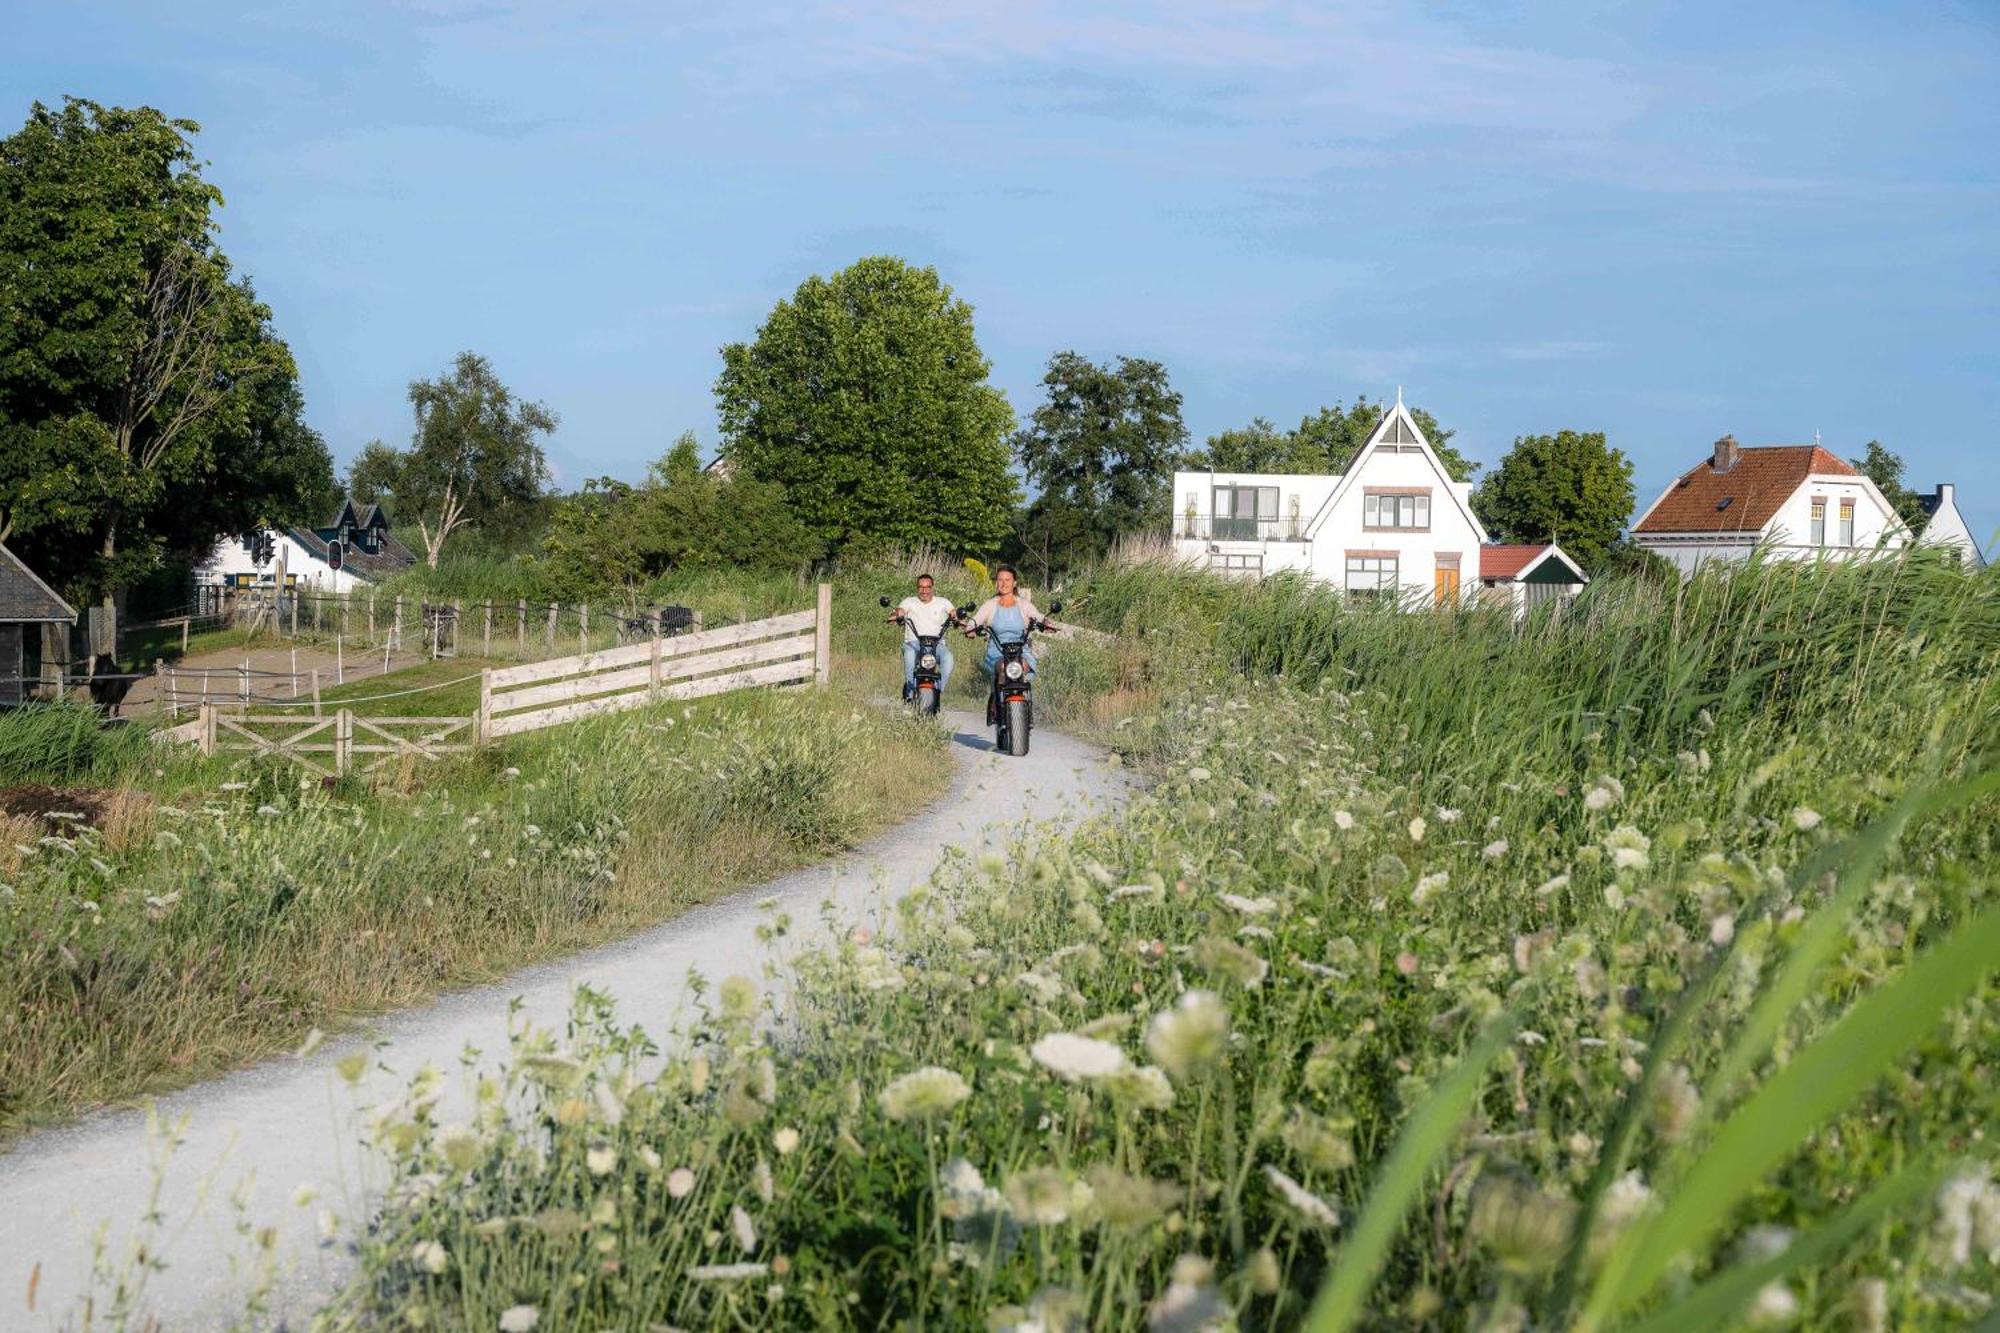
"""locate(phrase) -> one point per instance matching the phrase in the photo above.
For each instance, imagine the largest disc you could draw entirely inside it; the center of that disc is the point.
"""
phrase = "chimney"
(1726, 453)
(1946, 493)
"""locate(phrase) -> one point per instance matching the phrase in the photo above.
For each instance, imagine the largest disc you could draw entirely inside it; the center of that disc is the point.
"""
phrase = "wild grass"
(236, 915)
(1658, 935)
(66, 742)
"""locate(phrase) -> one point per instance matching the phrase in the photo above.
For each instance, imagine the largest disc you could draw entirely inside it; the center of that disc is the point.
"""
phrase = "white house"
(1393, 524)
(1947, 527)
(1791, 500)
(353, 550)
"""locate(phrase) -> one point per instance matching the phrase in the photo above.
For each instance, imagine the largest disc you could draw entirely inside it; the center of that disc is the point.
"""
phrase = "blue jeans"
(945, 664)
(993, 657)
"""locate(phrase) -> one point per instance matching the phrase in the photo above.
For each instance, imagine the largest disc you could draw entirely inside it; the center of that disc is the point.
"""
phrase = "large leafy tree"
(616, 535)
(146, 405)
(1100, 451)
(1570, 487)
(1885, 469)
(865, 396)
(1323, 442)
(475, 457)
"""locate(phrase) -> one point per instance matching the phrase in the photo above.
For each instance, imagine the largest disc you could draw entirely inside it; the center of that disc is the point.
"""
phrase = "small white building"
(1394, 524)
(353, 550)
(1947, 527)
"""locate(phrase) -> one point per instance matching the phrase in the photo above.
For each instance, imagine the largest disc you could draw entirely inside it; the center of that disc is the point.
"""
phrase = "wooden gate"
(338, 743)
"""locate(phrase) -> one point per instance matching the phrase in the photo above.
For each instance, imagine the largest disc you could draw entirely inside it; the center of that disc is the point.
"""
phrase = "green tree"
(865, 396)
(1100, 450)
(680, 518)
(1569, 487)
(146, 405)
(475, 457)
(1324, 442)
(1885, 469)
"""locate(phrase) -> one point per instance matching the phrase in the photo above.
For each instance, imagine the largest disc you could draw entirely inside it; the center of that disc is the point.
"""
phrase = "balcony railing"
(1201, 527)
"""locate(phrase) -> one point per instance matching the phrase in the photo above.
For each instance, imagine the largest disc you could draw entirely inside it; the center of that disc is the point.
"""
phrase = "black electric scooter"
(926, 696)
(1010, 707)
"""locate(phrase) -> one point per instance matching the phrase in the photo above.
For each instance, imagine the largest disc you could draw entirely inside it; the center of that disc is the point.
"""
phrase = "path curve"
(286, 1123)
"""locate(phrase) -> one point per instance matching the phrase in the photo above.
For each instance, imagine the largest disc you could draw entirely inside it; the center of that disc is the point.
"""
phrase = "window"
(1847, 522)
(1371, 573)
(1411, 510)
(1239, 566)
(1399, 433)
(1817, 534)
(1246, 513)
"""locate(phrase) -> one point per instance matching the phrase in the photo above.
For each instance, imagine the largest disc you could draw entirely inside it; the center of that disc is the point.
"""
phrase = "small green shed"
(27, 607)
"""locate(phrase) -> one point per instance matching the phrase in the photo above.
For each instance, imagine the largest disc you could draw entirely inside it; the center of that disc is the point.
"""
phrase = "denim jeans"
(945, 664)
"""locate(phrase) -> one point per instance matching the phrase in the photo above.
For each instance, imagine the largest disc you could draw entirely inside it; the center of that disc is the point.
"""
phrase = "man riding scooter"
(925, 616)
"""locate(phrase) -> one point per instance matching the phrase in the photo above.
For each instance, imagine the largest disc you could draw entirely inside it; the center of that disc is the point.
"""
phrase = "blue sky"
(1664, 221)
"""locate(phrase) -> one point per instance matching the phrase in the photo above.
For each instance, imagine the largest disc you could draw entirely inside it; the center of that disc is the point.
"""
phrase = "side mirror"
(1055, 608)
(885, 601)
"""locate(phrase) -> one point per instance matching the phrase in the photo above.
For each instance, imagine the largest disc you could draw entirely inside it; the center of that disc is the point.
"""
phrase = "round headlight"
(928, 661)
(1014, 670)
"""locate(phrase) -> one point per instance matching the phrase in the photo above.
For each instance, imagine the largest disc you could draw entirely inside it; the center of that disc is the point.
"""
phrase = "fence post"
(295, 652)
(296, 595)
(160, 674)
(371, 614)
(343, 741)
(521, 625)
(823, 636)
(553, 607)
(486, 636)
(484, 727)
(583, 629)
(315, 678)
(208, 728)
(396, 629)
(340, 659)
(185, 622)
(245, 679)
(653, 662)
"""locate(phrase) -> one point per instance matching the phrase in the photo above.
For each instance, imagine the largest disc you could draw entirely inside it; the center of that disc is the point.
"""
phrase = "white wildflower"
(1417, 827)
(1805, 820)
(1140, 1086)
(1722, 929)
(600, 1159)
(1248, 906)
(742, 1228)
(1494, 850)
(786, 1141)
(269, 811)
(1342, 820)
(1124, 891)
(1077, 1058)
(1553, 884)
(1309, 1205)
(726, 1272)
(1774, 1306)
(519, 1319)
(1429, 885)
(1189, 1038)
(680, 1183)
(924, 1092)
(1446, 815)
(430, 1256)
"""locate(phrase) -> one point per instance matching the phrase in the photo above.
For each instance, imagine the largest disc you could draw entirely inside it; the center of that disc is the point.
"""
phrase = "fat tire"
(927, 700)
(1017, 727)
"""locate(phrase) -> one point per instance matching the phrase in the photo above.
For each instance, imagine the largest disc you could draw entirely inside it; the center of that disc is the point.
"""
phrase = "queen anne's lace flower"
(1189, 1038)
(1077, 1058)
(923, 1093)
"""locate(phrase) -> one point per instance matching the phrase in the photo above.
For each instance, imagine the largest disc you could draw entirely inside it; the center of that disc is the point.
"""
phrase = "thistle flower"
(519, 1319)
(923, 1093)
(1310, 1206)
(1190, 1038)
(1076, 1058)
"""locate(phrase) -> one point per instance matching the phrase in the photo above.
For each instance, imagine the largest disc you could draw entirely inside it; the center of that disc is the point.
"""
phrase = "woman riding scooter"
(1007, 619)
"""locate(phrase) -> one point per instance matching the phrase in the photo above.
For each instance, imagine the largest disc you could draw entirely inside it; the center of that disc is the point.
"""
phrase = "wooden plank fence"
(780, 650)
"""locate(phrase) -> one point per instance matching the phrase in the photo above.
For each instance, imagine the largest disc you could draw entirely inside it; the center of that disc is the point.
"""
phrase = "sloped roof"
(1744, 498)
(1397, 427)
(23, 596)
(1505, 561)
(392, 558)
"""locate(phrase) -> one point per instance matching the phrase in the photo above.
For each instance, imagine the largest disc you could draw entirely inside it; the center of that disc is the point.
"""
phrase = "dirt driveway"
(270, 673)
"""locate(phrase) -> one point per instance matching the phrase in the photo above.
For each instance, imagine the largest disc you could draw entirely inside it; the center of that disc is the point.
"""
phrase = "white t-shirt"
(922, 617)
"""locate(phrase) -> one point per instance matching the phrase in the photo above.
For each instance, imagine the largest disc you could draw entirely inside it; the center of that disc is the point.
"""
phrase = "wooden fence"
(782, 650)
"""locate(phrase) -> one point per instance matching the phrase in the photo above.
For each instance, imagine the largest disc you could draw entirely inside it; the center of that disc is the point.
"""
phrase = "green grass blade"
(1717, 1301)
(1879, 1030)
(1426, 1135)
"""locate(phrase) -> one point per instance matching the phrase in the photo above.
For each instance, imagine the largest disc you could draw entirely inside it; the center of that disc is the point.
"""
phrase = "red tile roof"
(1504, 562)
(1744, 498)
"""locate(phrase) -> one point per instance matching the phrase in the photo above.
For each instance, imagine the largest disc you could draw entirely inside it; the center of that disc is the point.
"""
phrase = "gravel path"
(261, 1134)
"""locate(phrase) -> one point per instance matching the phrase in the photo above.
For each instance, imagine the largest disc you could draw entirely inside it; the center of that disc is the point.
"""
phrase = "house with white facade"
(352, 550)
(1795, 501)
(1394, 524)
(1947, 527)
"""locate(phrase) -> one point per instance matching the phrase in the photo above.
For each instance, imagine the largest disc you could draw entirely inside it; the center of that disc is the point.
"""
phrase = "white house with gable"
(1795, 501)
(1394, 524)
(1946, 526)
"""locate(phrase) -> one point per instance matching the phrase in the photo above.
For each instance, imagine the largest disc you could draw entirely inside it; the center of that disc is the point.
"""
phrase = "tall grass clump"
(225, 923)
(66, 742)
(1652, 981)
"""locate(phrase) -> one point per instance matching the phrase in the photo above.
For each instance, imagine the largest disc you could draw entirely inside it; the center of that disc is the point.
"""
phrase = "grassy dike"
(204, 913)
(1551, 976)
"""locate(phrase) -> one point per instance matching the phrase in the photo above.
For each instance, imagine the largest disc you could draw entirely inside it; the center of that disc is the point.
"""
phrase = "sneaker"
(907, 691)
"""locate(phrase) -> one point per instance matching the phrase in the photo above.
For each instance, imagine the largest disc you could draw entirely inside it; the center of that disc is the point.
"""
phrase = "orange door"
(1446, 585)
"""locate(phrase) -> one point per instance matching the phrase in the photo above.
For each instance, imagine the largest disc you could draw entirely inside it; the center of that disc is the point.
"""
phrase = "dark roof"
(392, 557)
(23, 596)
(1744, 498)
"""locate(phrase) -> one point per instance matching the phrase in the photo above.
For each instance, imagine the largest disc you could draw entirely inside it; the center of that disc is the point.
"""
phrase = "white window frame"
(1391, 512)
(1372, 575)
